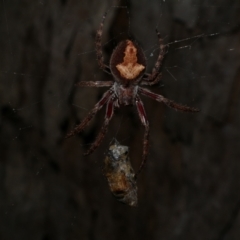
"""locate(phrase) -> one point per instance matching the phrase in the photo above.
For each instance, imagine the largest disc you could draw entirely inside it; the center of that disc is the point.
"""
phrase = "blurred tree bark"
(189, 188)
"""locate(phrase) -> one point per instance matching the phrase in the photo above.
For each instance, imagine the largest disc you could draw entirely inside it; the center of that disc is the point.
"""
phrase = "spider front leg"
(143, 117)
(91, 114)
(166, 101)
(109, 113)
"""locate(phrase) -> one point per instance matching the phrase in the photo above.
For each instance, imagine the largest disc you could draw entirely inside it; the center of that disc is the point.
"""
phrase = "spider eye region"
(128, 61)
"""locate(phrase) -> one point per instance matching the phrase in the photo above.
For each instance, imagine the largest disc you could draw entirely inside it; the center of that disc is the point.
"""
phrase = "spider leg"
(94, 84)
(91, 114)
(167, 101)
(155, 71)
(109, 113)
(143, 117)
(152, 82)
(98, 45)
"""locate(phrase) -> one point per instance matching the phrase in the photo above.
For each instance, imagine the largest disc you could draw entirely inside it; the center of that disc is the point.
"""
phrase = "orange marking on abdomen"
(130, 68)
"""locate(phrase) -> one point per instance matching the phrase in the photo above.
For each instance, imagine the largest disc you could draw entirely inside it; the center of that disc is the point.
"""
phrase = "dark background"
(189, 188)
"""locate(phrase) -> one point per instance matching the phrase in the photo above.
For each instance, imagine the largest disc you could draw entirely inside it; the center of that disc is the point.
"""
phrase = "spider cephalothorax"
(127, 66)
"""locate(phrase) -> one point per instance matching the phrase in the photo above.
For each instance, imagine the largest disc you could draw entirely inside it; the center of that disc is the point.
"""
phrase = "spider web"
(46, 48)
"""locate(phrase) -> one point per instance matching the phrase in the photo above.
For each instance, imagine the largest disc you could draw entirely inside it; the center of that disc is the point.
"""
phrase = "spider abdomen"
(127, 62)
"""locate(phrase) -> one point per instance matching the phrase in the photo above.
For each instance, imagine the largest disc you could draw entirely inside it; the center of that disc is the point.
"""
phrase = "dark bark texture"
(189, 188)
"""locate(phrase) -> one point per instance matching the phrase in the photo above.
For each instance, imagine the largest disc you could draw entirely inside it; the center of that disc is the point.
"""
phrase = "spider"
(127, 66)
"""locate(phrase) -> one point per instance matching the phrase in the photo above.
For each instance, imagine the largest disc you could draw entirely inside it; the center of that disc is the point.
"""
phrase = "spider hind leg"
(98, 46)
(151, 78)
